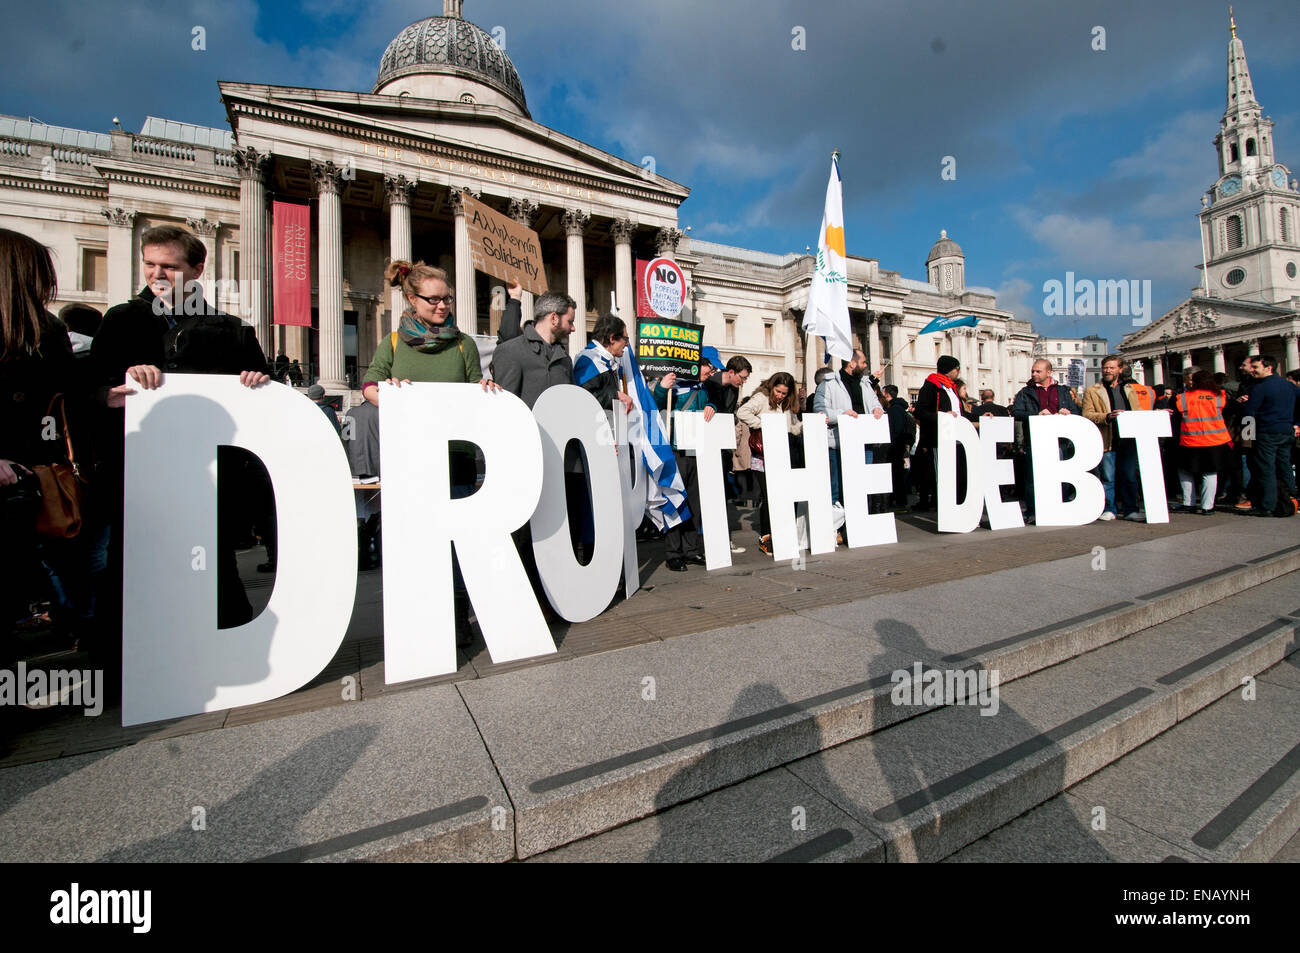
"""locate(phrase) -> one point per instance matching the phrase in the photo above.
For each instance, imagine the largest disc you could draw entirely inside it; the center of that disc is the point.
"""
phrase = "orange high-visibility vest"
(1202, 418)
(1146, 397)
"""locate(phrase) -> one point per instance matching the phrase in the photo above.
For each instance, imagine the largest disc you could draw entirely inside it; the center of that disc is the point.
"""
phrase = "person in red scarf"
(1040, 397)
(938, 396)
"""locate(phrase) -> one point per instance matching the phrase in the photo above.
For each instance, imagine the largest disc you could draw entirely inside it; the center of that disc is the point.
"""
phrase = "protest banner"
(661, 288)
(501, 247)
(669, 347)
(176, 662)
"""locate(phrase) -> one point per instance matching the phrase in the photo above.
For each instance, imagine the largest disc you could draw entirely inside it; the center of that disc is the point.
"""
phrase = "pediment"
(1196, 316)
(473, 128)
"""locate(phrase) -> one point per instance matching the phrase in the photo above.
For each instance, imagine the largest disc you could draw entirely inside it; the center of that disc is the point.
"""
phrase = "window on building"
(1058, 345)
(1284, 224)
(1250, 147)
(1234, 232)
(730, 338)
(767, 335)
(1232, 153)
(1235, 277)
(94, 270)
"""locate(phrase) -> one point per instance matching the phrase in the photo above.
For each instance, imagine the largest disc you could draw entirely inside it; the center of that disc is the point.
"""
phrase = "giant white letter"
(786, 486)
(993, 431)
(1146, 427)
(708, 439)
(417, 423)
(1051, 472)
(577, 592)
(860, 480)
(175, 661)
(963, 518)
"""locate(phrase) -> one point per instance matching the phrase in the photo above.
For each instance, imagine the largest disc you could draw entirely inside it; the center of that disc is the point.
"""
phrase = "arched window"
(1284, 224)
(1232, 152)
(1234, 232)
(1250, 147)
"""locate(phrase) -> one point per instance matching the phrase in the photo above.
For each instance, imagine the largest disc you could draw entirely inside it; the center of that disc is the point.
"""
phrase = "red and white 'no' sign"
(662, 288)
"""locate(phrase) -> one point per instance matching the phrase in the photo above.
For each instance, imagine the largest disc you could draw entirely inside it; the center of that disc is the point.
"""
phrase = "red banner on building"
(291, 248)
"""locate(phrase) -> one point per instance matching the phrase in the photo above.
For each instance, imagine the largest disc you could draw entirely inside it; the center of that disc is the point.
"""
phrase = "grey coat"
(526, 365)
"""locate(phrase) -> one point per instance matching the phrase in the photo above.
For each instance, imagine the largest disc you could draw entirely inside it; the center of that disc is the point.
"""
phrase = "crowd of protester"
(1232, 446)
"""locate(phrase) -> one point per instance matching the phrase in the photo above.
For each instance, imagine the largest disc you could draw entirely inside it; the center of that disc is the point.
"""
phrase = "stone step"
(525, 761)
(1220, 786)
(731, 703)
(925, 788)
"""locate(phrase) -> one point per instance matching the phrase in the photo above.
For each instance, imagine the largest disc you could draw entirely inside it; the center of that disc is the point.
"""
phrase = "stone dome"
(451, 46)
(945, 247)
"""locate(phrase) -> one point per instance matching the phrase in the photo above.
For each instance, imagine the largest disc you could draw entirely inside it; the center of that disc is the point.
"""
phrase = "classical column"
(207, 233)
(1252, 345)
(873, 343)
(1292, 350)
(254, 244)
(575, 223)
(466, 304)
(121, 254)
(996, 381)
(1139, 370)
(1187, 359)
(523, 211)
(889, 344)
(329, 294)
(666, 240)
(398, 188)
(1158, 377)
(1220, 365)
(622, 230)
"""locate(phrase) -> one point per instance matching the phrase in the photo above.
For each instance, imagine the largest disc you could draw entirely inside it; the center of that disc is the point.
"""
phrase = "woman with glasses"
(427, 346)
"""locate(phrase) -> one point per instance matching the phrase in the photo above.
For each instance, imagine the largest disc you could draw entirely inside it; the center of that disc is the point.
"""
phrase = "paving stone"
(405, 773)
(773, 817)
(1062, 831)
(1224, 785)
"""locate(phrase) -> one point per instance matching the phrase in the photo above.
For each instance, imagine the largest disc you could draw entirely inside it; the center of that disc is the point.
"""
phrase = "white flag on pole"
(827, 315)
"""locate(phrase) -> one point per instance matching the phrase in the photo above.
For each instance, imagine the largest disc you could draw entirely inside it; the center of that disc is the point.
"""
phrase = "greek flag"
(666, 502)
(944, 324)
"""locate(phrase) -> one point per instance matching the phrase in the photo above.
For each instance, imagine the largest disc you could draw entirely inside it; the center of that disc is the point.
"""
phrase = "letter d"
(175, 662)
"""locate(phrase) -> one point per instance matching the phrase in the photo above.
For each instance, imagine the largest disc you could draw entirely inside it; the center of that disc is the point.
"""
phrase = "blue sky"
(1067, 158)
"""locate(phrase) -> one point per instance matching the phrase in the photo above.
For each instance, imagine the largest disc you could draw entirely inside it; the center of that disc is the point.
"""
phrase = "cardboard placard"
(669, 347)
(501, 247)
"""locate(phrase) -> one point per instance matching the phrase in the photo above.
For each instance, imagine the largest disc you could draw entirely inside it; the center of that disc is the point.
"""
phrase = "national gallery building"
(383, 173)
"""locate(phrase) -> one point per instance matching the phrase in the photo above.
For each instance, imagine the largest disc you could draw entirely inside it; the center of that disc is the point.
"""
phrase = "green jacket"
(455, 364)
(693, 404)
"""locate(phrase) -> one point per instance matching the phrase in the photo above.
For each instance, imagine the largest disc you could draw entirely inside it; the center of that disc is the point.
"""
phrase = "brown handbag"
(62, 488)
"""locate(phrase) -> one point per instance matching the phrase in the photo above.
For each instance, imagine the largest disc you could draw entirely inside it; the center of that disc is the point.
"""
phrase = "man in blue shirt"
(1272, 407)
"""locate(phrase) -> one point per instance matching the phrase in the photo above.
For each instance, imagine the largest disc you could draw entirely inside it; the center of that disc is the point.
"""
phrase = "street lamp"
(1164, 339)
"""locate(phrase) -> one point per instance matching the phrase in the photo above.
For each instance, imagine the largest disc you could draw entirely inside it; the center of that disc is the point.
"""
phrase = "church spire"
(1241, 95)
(451, 8)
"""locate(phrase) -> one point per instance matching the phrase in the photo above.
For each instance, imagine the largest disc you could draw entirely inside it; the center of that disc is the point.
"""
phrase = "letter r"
(419, 422)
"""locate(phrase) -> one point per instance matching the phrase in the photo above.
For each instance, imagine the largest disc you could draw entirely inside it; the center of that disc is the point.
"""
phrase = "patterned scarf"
(427, 340)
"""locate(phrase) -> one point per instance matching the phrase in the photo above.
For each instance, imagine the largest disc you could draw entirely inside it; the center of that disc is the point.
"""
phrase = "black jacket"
(209, 343)
(722, 399)
(902, 428)
(931, 402)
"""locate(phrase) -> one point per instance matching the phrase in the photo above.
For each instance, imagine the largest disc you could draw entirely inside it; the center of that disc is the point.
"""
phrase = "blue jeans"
(1119, 477)
(1272, 468)
(835, 475)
